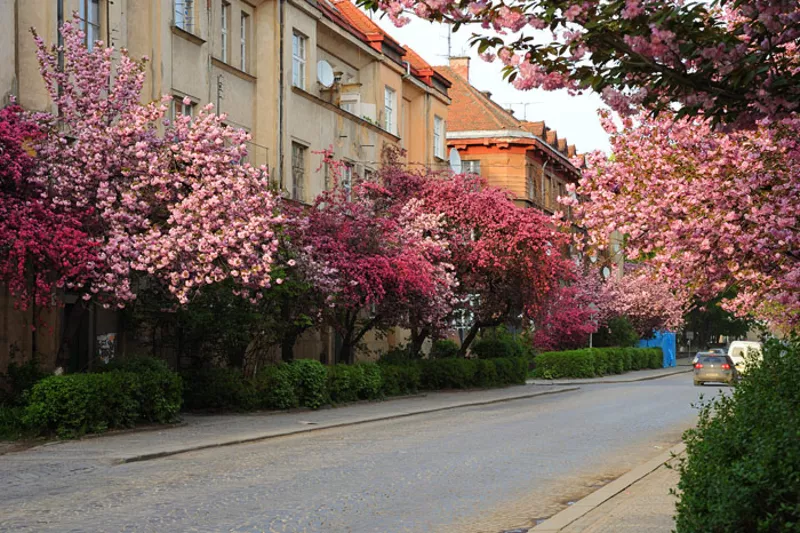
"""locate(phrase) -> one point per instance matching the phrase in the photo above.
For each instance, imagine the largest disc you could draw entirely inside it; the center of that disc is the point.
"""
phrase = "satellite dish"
(455, 161)
(325, 74)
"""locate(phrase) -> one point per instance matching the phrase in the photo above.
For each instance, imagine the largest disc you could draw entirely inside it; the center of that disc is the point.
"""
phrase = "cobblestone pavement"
(478, 469)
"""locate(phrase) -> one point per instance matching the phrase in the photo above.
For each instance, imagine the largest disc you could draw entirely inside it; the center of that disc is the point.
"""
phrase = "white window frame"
(299, 151)
(389, 109)
(471, 166)
(89, 15)
(225, 19)
(348, 169)
(184, 14)
(244, 40)
(438, 136)
(179, 108)
(299, 59)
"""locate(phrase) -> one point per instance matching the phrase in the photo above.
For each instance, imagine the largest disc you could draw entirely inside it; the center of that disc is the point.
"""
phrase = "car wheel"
(698, 383)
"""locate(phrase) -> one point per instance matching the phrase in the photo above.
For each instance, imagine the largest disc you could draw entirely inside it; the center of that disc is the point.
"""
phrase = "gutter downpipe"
(282, 19)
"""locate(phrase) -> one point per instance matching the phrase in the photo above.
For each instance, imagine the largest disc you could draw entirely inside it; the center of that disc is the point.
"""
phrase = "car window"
(713, 360)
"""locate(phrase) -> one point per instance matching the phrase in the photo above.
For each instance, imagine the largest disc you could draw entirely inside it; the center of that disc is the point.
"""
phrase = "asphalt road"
(481, 469)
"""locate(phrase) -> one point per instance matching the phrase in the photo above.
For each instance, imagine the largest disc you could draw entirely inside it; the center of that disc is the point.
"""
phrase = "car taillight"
(698, 365)
(726, 366)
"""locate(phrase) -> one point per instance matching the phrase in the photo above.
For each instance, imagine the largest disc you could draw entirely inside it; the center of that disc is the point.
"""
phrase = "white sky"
(575, 117)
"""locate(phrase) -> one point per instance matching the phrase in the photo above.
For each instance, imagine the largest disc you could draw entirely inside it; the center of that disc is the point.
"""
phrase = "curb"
(266, 436)
(599, 382)
(591, 502)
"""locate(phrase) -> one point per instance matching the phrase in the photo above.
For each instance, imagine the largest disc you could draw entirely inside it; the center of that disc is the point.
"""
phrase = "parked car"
(718, 351)
(715, 368)
(738, 351)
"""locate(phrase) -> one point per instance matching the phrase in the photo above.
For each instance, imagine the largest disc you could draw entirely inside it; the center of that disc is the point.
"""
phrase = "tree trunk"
(418, 336)
(473, 332)
(255, 354)
(72, 324)
(287, 347)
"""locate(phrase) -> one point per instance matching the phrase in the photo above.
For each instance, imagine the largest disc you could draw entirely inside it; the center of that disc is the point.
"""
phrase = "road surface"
(480, 469)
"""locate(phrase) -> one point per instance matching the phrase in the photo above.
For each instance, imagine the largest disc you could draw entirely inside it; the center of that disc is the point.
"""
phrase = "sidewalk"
(630, 377)
(201, 432)
(638, 502)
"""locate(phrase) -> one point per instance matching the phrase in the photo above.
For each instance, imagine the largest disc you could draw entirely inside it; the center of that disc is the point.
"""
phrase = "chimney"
(461, 66)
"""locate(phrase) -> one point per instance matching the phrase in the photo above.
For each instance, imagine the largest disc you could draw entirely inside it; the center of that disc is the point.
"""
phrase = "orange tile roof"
(562, 145)
(471, 110)
(536, 128)
(359, 20)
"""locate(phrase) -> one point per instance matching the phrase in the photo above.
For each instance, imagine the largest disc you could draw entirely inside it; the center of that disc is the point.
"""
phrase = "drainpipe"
(544, 167)
(282, 18)
(408, 70)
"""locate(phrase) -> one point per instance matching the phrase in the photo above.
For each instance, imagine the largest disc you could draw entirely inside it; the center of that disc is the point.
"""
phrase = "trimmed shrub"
(75, 404)
(567, 364)
(344, 382)
(448, 374)
(219, 388)
(21, 378)
(370, 388)
(275, 387)
(741, 472)
(160, 390)
(500, 343)
(486, 374)
(398, 380)
(444, 349)
(398, 355)
(311, 379)
(617, 331)
(587, 363)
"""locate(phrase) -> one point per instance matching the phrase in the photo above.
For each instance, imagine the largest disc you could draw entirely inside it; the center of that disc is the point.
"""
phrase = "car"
(699, 354)
(715, 368)
(742, 351)
(718, 351)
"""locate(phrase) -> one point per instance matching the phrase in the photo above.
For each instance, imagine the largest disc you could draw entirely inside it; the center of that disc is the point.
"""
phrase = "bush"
(567, 364)
(344, 382)
(587, 363)
(398, 380)
(311, 379)
(617, 331)
(20, 378)
(75, 404)
(275, 387)
(11, 425)
(219, 388)
(500, 343)
(741, 472)
(370, 388)
(398, 355)
(448, 374)
(160, 391)
(444, 349)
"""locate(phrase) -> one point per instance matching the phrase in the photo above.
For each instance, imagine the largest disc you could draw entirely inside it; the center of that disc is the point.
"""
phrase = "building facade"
(300, 76)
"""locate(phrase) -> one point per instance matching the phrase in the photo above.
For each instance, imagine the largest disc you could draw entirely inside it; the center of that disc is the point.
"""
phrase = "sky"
(574, 117)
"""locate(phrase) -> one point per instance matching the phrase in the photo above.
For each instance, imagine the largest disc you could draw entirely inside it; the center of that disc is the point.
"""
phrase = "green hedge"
(741, 472)
(74, 404)
(308, 383)
(591, 362)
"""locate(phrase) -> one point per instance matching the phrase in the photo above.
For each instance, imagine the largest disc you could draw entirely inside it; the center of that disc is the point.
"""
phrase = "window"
(298, 172)
(438, 137)
(244, 39)
(389, 99)
(224, 20)
(89, 15)
(184, 14)
(471, 166)
(181, 107)
(347, 179)
(298, 60)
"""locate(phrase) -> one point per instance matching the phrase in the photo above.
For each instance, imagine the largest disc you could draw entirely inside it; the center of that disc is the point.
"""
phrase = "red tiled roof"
(359, 20)
(471, 110)
(536, 128)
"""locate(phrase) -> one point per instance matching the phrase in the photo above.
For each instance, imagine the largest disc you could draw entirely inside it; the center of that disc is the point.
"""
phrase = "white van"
(738, 351)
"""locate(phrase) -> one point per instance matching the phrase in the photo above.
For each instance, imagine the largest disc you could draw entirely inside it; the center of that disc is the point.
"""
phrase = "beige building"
(300, 76)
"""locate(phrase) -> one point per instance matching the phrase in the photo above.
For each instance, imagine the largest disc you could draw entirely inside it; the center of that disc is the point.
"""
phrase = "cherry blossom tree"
(733, 61)
(374, 261)
(572, 312)
(41, 248)
(507, 260)
(715, 213)
(171, 200)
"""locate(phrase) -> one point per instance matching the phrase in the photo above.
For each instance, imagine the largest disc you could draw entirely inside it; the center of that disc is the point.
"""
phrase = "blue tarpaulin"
(666, 341)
